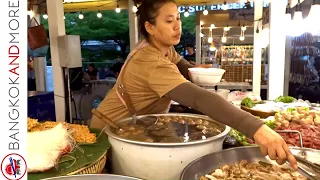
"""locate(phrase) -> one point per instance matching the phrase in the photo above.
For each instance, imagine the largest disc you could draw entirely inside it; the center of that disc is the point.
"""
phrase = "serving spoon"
(125, 98)
(147, 120)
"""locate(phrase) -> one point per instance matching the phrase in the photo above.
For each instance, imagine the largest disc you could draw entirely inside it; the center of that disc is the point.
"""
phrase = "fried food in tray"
(31, 123)
(255, 171)
(80, 133)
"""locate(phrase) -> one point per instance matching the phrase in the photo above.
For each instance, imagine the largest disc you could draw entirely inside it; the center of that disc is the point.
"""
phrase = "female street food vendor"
(155, 74)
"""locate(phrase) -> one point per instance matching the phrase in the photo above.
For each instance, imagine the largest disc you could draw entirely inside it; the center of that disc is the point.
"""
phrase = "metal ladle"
(147, 119)
(125, 98)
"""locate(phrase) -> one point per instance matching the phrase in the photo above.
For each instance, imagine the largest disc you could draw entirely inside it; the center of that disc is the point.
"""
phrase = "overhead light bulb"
(201, 35)
(99, 15)
(226, 28)
(212, 48)
(265, 37)
(224, 39)
(314, 12)
(224, 6)
(186, 14)
(201, 23)
(205, 12)
(30, 13)
(45, 16)
(134, 9)
(241, 38)
(118, 10)
(210, 40)
(212, 26)
(287, 17)
(297, 26)
(81, 16)
(297, 16)
(312, 20)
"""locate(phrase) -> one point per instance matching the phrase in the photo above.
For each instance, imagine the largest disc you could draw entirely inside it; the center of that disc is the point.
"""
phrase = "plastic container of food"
(206, 76)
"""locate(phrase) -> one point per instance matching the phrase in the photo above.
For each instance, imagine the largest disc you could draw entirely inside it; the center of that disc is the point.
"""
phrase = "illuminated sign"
(193, 9)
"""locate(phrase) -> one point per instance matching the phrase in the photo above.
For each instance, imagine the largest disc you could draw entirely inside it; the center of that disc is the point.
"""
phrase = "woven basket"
(94, 168)
(261, 114)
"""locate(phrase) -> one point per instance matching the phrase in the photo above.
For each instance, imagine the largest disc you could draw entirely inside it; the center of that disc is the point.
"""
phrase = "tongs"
(315, 174)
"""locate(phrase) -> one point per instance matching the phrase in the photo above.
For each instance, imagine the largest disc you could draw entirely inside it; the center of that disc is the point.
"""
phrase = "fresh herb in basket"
(247, 102)
(285, 99)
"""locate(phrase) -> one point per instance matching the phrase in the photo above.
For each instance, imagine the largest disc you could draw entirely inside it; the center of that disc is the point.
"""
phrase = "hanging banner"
(13, 94)
(215, 7)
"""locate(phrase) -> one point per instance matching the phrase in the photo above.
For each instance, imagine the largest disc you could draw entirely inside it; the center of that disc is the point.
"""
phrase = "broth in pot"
(166, 130)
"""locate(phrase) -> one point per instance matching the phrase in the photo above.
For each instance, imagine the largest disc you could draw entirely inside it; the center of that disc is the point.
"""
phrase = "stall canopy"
(95, 5)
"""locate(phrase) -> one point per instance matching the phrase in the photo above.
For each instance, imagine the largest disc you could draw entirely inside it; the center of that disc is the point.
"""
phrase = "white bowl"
(222, 92)
(206, 76)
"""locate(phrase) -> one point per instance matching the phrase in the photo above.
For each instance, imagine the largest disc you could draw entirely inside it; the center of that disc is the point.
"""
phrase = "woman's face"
(167, 29)
(90, 68)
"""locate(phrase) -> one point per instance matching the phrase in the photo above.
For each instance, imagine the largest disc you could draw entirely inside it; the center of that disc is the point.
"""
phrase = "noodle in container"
(206, 76)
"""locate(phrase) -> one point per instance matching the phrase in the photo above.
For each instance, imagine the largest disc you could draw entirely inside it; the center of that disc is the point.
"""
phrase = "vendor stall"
(179, 145)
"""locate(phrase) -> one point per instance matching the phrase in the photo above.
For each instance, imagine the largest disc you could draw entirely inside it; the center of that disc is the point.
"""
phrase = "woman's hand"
(272, 144)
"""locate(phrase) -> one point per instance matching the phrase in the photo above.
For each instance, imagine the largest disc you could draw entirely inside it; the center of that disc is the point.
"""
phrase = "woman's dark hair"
(190, 46)
(95, 71)
(92, 65)
(147, 12)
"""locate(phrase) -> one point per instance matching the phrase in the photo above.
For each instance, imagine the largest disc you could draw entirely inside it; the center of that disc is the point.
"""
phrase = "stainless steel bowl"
(208, 163)
(160, 160)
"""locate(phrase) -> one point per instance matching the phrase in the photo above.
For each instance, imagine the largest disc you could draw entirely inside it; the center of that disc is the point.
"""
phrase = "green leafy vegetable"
(271, 124)
(291, 109)
(242, 139)
(239, 137)
(247, 102)
(295, 109)
(285, 99)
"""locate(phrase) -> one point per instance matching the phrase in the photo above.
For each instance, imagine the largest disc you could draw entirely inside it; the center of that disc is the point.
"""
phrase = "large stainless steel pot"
(208, 163)
(160, 160)
(94, 177)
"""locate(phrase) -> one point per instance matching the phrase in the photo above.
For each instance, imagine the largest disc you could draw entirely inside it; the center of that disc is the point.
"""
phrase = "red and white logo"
(13, 167)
